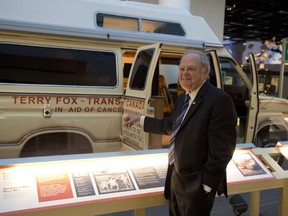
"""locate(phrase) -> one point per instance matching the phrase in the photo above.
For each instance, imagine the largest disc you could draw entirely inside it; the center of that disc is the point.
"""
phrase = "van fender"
(61, 141)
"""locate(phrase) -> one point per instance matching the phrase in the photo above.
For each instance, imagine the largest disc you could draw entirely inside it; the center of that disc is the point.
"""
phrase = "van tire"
(267, 141)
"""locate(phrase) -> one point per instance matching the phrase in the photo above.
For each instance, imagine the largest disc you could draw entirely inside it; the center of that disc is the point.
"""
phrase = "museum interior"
(64, 149)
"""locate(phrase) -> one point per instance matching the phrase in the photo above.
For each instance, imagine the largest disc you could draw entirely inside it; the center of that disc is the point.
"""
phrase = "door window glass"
(140, 69)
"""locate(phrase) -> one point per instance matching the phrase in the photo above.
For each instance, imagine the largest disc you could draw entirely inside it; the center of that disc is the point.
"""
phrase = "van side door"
(243, 89)
(226, 73)
(253, 106)
(137, 98)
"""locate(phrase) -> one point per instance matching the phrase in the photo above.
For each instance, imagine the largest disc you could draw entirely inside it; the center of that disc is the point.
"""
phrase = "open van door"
(215, 77)
(243, 91)
(253, 106)
(137, 98)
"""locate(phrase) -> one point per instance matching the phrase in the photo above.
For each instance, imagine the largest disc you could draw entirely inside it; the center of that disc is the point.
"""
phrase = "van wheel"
(271, 142)
(266, 139)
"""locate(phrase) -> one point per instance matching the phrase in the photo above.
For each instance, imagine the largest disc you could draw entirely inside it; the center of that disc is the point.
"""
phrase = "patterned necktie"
(176, 128)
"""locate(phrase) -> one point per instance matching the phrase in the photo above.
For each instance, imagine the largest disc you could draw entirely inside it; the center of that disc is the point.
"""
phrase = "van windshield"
(21, 64)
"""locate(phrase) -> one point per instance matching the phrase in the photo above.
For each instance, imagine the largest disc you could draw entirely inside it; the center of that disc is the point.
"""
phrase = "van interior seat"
(163, 91)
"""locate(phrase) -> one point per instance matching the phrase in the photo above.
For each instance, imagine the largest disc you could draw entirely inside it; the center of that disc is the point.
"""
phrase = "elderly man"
(203, 138)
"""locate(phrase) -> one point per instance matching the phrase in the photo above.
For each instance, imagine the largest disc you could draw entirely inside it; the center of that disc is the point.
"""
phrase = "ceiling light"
(230, 5)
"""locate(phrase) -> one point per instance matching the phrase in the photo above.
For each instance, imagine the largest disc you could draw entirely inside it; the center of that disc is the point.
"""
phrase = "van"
(70, 73)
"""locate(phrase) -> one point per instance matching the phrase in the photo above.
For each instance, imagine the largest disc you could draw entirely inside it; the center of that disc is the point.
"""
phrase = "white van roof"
(78, 18)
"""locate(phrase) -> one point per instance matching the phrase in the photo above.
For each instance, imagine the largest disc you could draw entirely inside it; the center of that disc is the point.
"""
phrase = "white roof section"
(78, 18)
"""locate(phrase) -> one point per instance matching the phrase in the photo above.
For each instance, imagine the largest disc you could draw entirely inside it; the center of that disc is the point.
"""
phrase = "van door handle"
(150, 110)
(47, 111)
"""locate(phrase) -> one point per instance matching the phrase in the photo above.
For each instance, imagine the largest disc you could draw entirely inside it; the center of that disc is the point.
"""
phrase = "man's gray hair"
(203, 58)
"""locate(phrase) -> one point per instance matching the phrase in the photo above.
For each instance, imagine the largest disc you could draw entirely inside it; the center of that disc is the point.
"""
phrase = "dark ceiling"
(256, 20)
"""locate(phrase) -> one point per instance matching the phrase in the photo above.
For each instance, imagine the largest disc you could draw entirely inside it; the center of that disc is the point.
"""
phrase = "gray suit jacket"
(206, 139)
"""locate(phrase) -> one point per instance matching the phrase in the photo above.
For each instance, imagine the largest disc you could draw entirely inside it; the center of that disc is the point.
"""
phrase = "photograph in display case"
(113, 182)
(245, 166)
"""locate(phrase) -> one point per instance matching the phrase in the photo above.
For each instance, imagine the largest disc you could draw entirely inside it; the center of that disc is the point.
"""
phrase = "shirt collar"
(194, 93)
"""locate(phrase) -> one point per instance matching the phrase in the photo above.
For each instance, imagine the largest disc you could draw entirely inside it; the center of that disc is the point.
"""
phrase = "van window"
(117, 22)
(162, 27)
(21, 64)
(140, 69)
(235, 86)
(229, 74)
(139, 24)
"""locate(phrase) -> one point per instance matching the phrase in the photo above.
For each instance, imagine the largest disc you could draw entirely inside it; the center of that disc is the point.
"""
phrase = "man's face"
(191, 73)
